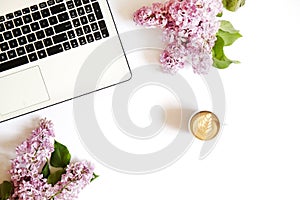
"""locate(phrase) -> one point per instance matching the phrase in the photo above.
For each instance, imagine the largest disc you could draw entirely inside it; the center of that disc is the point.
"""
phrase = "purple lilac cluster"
(190, 28)
(32, 154)
(77, 176)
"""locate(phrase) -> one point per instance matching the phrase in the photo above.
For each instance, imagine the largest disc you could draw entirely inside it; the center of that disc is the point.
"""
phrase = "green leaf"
(227, 27)
(61, 156)
(226, 36)
(220, 60)
(233, 5)
(95, 176)
(46, 170)
(55, 177)
(6, 189)
(229, 38)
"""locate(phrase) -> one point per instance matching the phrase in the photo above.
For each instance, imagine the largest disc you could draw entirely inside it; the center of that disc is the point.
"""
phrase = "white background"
(258, 152)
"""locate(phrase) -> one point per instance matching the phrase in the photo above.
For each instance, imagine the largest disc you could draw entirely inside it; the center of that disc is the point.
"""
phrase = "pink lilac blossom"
(189, 29)
(32, 154)
(78, 175)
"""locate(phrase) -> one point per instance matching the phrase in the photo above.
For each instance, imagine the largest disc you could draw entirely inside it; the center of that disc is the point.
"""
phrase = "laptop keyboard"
(47, 29)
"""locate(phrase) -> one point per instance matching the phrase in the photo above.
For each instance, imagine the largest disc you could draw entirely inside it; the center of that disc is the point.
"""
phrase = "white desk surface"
(257, 156)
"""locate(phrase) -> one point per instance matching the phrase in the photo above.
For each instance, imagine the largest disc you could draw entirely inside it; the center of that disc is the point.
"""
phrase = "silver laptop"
(52, 51)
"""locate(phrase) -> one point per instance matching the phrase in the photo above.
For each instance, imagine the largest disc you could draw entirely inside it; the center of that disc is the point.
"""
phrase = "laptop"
(56, 50)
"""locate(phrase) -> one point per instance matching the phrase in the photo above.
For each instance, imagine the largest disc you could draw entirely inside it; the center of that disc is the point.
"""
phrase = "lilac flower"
(172, 58)
(190, 26)
(31, 155)
(77, 176)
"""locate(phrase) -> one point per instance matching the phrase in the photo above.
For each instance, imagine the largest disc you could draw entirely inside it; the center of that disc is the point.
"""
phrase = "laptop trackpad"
(21, 90)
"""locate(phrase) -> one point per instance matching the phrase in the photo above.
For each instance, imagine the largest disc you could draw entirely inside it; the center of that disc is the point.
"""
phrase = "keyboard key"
(102, 24)
(76, 22)
(82, 40)
(13, 43)
(29, 48)
(26, 29)
(7, 35)
(54, 50)
(2, 18)
(49, 31)
(42, 54)
(3, 57)
(97, 35)
(50, 2)
(70, 4)
(34, 8)
(17, 32)
(18, 21)
(31, 37)
(85, 1)
(62, 27)
(97, 10)
(32, 57)
(9, 25)
(45, 13)
(38, 45)
(1, 38)
(71, 34)
(48, 42)
(4, 46)
(53, 20)
(18, 13)
(60, 38)
(79, 32)
(78, 3)
(22, 40)
(27, 19)
(11, 54)
(80, 11)
(90, 38)
(26, 11)
(44, 23)
(36, 16)
(2, 28)
(13, 63)
(83, 20)
(58, 1)
(91, 17)
(40, 34)
(63, 17)
(43, 5)
(94, 27)
(66, 46)
(21, 51)
(104, 33)
(88, 9)
(35, 26)
(73, 13)
(58, 9)
(9, 16)
(86, 29)
(74, 43)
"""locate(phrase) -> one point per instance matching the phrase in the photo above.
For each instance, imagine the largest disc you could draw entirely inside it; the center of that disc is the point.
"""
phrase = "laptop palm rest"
(22, 90)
